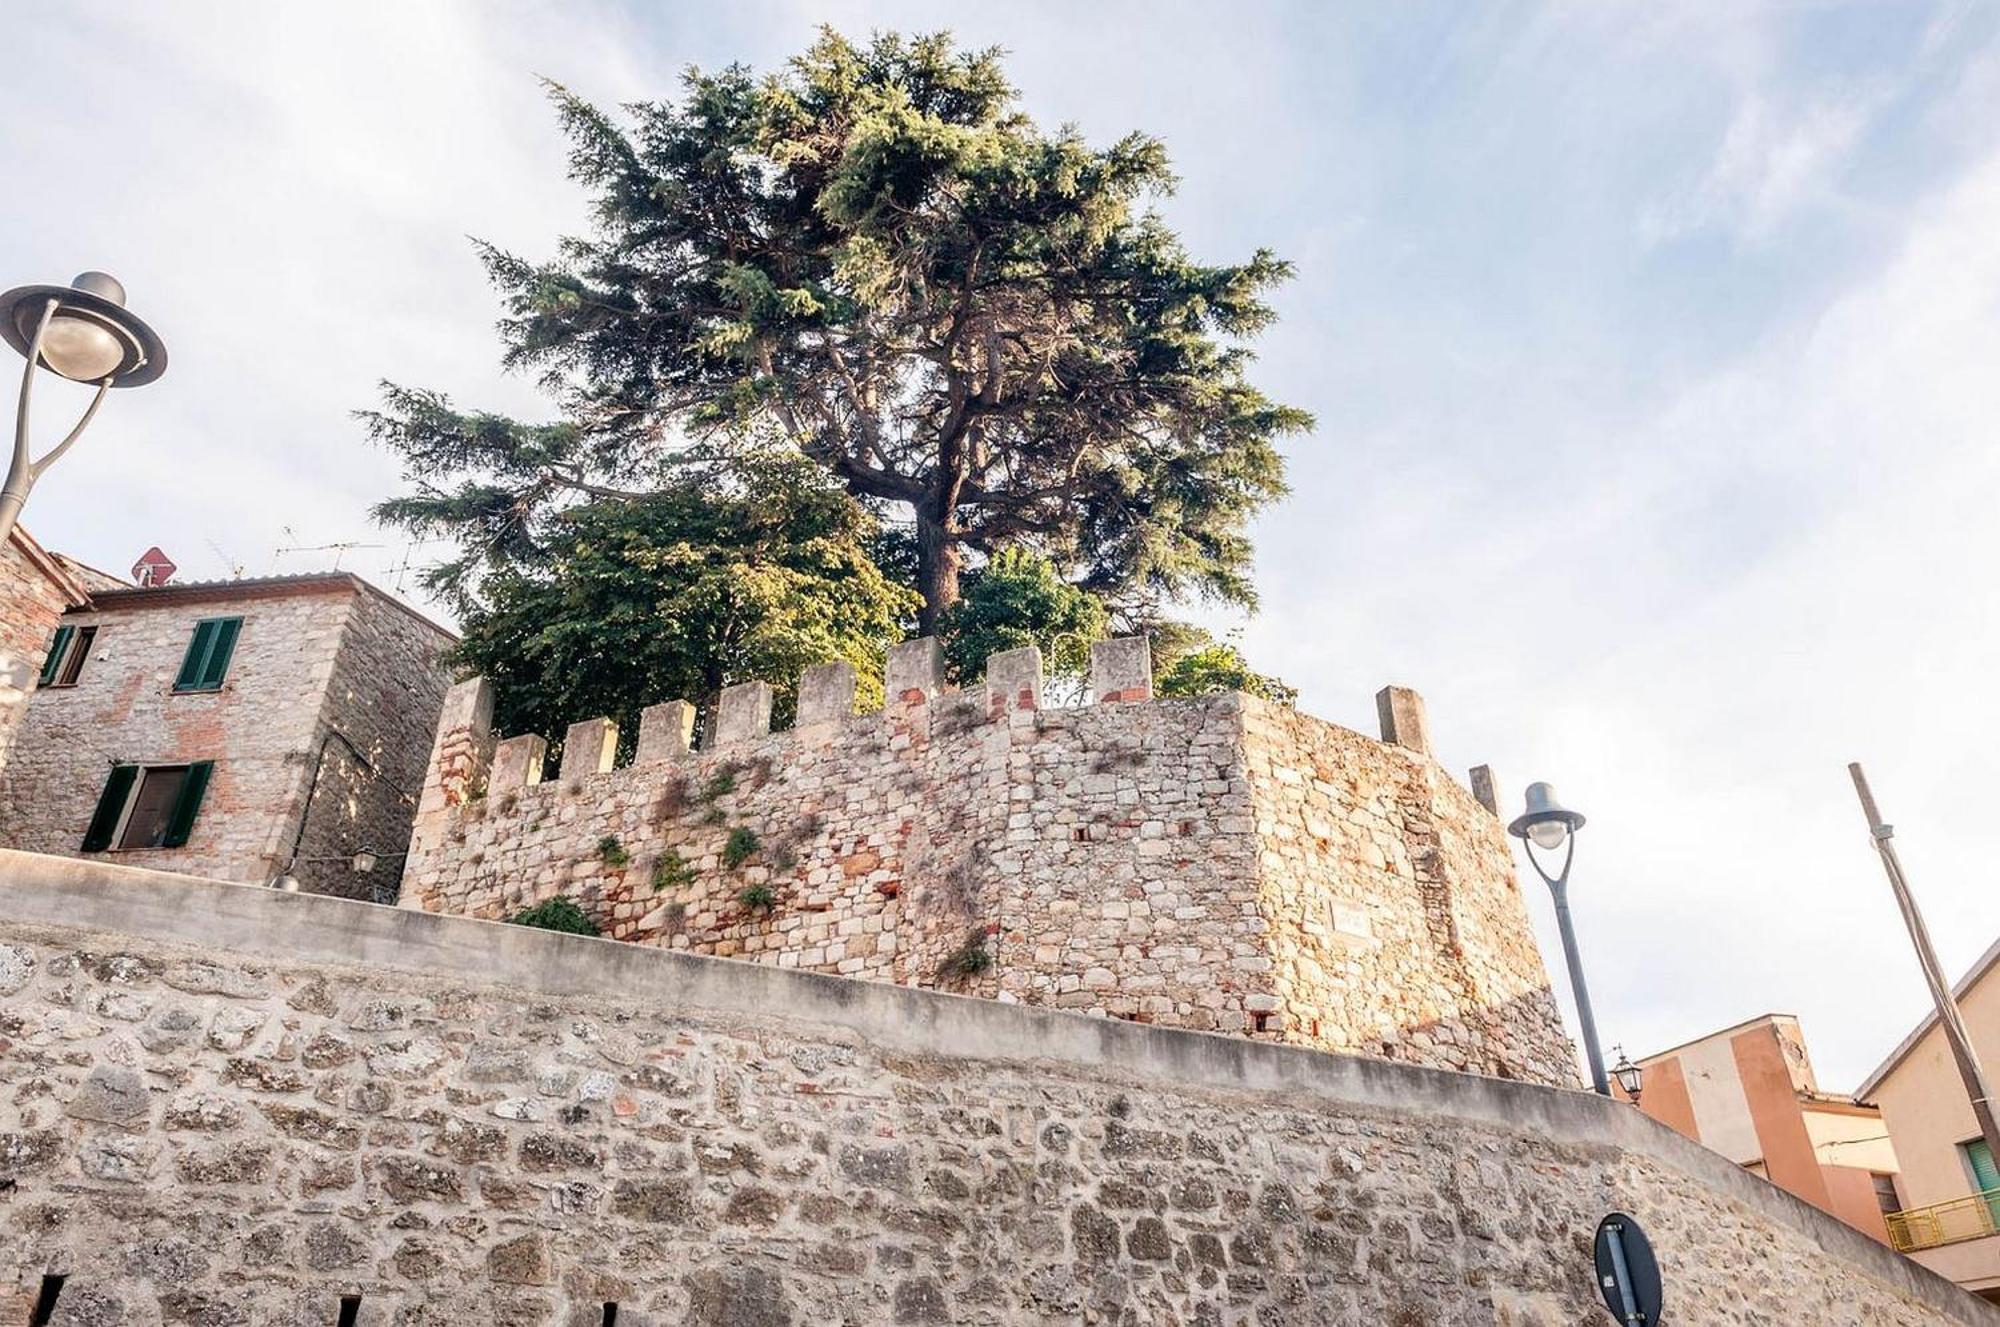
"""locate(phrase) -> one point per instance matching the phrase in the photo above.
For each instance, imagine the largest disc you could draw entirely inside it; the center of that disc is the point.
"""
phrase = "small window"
(1979, 1162)
(147, 806)
(1885, 1192)
(67, 650)
(207, 660)
(152, 807)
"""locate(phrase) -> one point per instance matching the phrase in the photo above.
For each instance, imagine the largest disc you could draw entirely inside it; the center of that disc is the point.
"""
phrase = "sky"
(1655, 353)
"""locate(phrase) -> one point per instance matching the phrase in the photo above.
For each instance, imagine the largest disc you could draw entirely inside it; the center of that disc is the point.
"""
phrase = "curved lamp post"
(81, 332)
(1547, 824)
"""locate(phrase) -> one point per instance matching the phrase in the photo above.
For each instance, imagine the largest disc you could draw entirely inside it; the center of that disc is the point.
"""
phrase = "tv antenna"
(339, 550)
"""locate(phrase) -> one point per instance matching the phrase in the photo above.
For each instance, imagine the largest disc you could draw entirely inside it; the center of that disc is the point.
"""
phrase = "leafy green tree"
(1018, 599)
(978, 326)
(718, 577)
(1205, 669)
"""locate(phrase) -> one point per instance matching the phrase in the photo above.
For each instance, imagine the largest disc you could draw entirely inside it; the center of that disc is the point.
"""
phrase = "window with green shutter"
(110, 807)
(148, 806)
(207, 660)
(1985, 1175)
(58, 646)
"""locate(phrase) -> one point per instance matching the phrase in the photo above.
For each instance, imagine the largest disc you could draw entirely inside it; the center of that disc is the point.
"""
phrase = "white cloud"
(1772, 161)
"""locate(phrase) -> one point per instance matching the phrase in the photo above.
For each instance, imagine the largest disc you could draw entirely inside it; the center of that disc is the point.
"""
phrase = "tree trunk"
(938, 561)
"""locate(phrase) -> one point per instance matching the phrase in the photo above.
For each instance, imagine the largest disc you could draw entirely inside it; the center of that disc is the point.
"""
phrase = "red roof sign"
(153, 568)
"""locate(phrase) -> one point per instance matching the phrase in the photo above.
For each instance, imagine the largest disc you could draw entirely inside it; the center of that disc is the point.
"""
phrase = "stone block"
(1014, 679)
(1121, 669)
(915, 672)
(666, 732)
(517, 763)
(743, 714)
(590, 747)
(1483, 790)
(1401, 712)
(826, 693)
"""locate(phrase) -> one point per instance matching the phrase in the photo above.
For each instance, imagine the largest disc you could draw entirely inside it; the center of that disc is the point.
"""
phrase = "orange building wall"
(1774, 1113)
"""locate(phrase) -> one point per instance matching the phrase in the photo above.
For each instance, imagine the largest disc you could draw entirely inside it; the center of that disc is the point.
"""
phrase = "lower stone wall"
(226, 1105)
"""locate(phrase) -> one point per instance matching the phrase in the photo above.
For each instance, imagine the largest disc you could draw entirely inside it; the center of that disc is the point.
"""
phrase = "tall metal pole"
(1955, 1035)
(1585, 1019)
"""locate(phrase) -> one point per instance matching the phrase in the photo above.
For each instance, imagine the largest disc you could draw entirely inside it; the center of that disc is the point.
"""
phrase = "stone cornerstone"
(1219, 864)
(227, 1105)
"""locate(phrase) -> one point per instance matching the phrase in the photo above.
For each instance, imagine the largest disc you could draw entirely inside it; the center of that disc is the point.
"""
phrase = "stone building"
(229, 1105)
(36, 588)
(1220, 864)
(235, 729)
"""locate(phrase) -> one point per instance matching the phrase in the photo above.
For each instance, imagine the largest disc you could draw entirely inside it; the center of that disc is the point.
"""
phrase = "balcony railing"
(1945, 1223)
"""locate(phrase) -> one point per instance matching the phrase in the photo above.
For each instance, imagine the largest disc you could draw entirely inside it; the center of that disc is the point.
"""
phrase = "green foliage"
(740, 847)
(1220, 666)
(875, 258)
(720, 784)
(560, 913)
(613, 852)
(754, 571)
(671, 871)
(969, 960)
(1018, 599)
(756, 896)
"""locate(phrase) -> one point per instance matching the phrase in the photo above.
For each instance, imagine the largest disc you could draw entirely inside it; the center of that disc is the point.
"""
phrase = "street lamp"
(1629, 1075)
(81, 332)
(1547, 824)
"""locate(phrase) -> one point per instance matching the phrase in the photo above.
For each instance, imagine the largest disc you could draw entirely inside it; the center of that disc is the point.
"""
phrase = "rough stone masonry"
(226, 1105)
(1219, 864)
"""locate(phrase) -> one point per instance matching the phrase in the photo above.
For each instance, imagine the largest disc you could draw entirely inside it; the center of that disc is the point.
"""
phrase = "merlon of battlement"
(466, 758)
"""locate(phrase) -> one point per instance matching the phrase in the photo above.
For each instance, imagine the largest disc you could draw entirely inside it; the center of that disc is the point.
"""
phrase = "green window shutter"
(219, 652)
(181, 822)
(196, 657)
(1984, 1172)
(207, 660)
(57, 646)
(110, 806)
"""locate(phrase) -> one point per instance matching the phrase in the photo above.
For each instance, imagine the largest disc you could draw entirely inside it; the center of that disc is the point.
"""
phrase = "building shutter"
(1984, 1173)
(207, 660)
(53, 664)
(181, 822)
(110, 806)
(218, 654)
(196, 657)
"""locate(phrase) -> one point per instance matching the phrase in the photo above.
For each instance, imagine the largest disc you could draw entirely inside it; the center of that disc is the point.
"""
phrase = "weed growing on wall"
(757, 897)
(740, 848)
(613, 852)
(671, 871)
(560, 913)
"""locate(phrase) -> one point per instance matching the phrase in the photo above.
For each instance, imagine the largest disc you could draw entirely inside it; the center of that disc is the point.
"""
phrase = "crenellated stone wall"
(231, 1106)
(1219, 864)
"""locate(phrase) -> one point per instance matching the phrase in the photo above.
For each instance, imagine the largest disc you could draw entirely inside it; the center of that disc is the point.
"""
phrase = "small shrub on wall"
(560, 913)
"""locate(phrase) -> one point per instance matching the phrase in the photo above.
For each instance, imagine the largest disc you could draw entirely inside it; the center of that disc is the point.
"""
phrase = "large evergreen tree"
(977, 326)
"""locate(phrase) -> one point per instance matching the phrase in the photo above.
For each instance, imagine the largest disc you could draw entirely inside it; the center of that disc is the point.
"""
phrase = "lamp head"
(1546, 823)
(1629, 1075)
(364, 860)
(90, 336)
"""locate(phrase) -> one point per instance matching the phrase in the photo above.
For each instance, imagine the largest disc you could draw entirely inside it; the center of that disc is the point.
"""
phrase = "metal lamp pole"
(1549, 825)
(81, 332)
(1955, 1035)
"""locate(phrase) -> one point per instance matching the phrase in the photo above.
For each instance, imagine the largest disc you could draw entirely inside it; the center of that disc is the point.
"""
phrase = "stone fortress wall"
(1218, 864)
(227, 1105)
